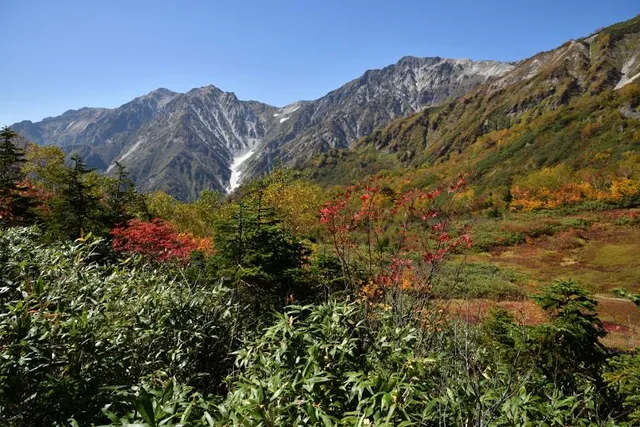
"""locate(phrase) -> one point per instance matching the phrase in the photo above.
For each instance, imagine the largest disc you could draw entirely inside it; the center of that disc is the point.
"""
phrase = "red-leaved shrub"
(157, 240)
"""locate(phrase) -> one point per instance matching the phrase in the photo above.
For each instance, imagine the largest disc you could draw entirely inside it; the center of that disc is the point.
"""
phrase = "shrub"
(157, 240)
(342, 364)
(71, 328)
(481, 280)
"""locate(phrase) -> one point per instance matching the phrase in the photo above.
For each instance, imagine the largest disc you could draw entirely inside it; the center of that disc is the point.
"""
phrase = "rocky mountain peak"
(206, 138)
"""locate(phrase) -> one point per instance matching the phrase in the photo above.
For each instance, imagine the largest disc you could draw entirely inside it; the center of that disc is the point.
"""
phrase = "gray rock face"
(377, 97)
(186, 143)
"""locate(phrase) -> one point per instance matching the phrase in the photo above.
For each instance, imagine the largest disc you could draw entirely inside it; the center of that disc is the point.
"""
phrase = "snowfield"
(234, 181)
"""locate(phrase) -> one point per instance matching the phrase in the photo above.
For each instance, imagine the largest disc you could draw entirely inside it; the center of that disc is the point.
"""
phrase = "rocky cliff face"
(542, 102)
(357, 108)
(208, 139)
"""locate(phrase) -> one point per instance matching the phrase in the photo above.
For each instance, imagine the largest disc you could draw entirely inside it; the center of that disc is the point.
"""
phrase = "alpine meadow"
(439, 242)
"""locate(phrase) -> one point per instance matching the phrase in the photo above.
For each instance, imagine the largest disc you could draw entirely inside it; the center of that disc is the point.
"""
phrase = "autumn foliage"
(158, 240)
(397, 240)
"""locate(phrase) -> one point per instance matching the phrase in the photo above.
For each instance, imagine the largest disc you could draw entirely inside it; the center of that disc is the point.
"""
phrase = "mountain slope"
(566, 106)
(189, 146)
(98, 134)
(185, 143)
(357, 108)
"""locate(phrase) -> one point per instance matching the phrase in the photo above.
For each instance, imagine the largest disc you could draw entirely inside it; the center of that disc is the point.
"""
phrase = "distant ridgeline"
(570, 114)
(562, 126)
(208, 139)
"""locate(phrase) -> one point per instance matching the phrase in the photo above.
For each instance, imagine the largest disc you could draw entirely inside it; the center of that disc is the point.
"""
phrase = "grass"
(518, 254)
(621, 320)
(597, 249)
(460, 279)
(612, 255)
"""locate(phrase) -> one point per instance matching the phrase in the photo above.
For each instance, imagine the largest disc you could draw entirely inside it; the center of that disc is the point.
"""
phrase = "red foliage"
(156, 239)
(399, 238)
(614, 327)
(25, 188)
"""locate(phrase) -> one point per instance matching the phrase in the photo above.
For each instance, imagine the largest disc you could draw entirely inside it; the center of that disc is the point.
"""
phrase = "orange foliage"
(546, 198)
(590, 129)
(574, 192)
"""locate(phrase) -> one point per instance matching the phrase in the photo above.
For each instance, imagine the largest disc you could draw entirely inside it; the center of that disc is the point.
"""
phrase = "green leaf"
(144, 406)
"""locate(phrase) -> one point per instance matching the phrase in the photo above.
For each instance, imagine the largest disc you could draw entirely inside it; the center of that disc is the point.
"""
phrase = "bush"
(70, 328)
(480, 280)
(340, 364)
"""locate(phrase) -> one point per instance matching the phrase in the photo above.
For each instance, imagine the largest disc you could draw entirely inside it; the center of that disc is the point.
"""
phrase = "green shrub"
(347, 365)
(480, 280)
(70, 328)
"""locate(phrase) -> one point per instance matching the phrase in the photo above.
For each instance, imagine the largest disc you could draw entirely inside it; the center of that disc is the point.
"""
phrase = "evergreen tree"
(261, 259)
(569, 346)
(122, 197)
(77, 209)
(15, 207)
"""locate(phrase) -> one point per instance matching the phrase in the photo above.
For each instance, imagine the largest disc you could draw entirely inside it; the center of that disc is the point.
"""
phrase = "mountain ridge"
(204, 130)
(560, 108)
(206, 138)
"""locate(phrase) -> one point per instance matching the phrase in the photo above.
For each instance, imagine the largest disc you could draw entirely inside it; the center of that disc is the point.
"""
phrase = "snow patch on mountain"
(127, 153)
(236, 170)
(626, 69)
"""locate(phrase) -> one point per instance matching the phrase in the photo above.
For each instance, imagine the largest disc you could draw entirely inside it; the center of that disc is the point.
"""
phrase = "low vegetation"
(419, 297)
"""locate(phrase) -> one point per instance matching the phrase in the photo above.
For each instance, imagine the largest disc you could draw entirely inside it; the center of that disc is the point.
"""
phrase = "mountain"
(577, 105)
(183, 143)
(99, 134)
(357, 108)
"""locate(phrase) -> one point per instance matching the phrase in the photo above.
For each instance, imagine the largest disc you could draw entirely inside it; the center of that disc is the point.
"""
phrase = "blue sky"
(64, 54)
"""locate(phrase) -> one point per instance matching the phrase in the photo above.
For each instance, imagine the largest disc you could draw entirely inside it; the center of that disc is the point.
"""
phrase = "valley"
(436, 242)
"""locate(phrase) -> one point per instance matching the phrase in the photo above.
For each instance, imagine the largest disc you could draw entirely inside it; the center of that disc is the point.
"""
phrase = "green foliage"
(171, 404)
(70, 328)
(626, 294)
(624, 377)
(324, 365)
(339, 364)
(259, 257)
(124, 342)
(15, 207)
(11, 159)
(480, 280)
(569, 345)
(77, 209)
(121, 198)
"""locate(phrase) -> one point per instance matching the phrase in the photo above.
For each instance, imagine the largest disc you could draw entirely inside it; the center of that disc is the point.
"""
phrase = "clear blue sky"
(64, 54)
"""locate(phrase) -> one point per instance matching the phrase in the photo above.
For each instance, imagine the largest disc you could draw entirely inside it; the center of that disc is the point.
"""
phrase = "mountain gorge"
(185, 143)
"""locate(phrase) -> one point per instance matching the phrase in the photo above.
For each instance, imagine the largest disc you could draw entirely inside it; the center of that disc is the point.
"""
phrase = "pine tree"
(77, 209)
(122, 197)
(15, 208)
(260, 257)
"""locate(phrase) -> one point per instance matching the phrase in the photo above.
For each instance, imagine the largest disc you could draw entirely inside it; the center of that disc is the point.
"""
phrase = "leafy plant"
(72, 327)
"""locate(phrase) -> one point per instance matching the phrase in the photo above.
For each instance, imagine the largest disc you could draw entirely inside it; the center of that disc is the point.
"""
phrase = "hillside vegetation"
(559, 122)
(473, 264)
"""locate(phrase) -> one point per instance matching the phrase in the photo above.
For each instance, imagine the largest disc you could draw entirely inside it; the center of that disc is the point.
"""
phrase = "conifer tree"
(260, 257)
(77, 209)
(122, 197)
(15, 208)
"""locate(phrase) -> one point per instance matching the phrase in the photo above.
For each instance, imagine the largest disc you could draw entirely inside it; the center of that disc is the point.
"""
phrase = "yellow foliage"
(551, 198)
(603, 155)
(546, 178)
(623, 187)
(196, 218)
(629, 166)
(297, 203)
(45, 165)
(590, 129)
(494, 137)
